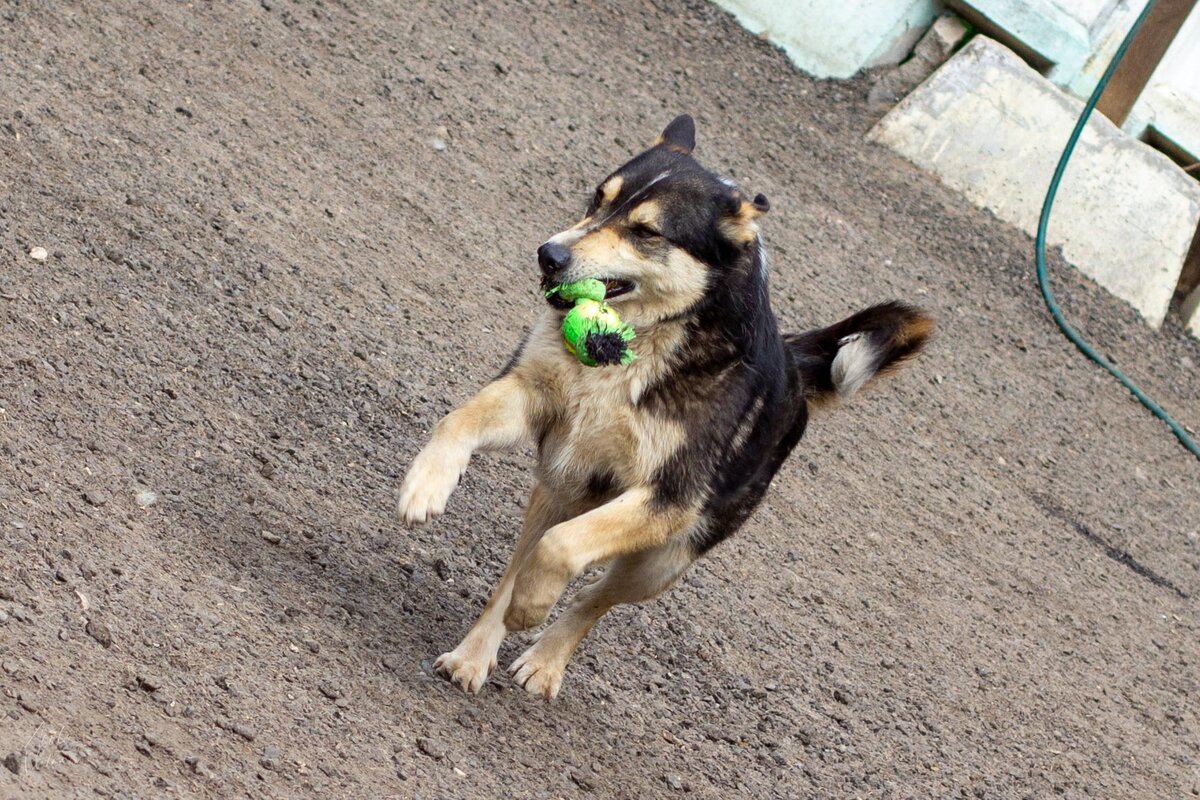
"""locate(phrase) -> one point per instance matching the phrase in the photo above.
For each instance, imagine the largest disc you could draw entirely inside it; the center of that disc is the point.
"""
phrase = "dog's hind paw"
(464, 671)
(537, 674)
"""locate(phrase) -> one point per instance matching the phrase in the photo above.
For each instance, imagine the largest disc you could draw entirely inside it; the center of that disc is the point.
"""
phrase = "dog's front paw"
(466, 668)
(434, 474)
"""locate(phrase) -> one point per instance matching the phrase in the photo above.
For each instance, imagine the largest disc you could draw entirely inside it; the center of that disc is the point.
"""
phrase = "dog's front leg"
(631, 522)
(499, 416)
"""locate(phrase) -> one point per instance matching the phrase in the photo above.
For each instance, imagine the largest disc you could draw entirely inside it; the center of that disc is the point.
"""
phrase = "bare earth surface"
(284, 238)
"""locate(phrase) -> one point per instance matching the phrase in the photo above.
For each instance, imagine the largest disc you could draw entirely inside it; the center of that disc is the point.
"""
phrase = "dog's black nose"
(553, 257)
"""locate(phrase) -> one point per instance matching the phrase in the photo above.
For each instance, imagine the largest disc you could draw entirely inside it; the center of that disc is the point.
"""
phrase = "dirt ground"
(285, 237)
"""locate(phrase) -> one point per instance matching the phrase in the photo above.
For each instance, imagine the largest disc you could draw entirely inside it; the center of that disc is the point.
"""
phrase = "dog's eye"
(597, 199)
(645, 232)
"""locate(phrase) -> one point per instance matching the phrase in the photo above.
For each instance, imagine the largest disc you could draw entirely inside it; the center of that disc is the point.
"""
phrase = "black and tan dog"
(645, 466)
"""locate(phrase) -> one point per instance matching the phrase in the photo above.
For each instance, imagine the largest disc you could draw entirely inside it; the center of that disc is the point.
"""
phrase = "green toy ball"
(592, 330)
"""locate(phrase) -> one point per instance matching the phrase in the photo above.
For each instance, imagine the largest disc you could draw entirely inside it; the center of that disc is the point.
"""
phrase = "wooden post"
(1147, 49)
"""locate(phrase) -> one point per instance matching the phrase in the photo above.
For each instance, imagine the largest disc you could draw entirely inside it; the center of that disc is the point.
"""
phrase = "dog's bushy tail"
(837, 361)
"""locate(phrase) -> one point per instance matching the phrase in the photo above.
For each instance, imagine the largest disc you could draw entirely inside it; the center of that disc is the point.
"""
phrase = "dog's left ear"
(680, 135)
(739, 224)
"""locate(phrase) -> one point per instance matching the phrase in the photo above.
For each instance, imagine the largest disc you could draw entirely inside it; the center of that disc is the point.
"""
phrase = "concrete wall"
(837, 39)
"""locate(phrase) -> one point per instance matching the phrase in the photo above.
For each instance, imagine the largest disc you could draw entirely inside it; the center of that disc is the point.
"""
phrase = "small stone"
(146, 498)
(270, 757)
(100, 632)
(3, 616)
(96, 497)
(674, 781)
(243, 730)
(38, 253)
(437, 144)
(841, 696)
(12, 763)
(267, 5)
(330, 689)
(432, 748)
(185, 111)
(582, 780)
(273, 538)
(277, 318)
(149, 683)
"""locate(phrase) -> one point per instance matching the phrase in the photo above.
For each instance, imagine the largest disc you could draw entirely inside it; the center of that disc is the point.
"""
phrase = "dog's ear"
(680, 135)
(738, 222)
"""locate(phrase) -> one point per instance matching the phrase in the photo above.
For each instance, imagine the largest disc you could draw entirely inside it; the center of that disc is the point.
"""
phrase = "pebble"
(330, 689)
(3, 616)
(273, 538)
(100, 632)
(146, 498)
(12, 763)
(149, 682)
(277, 317)
(96, 497)
(674, 781)
(437, 144)
(38, 253)
(243, 730)
(431, 747)
(270, 757)
(582, 781)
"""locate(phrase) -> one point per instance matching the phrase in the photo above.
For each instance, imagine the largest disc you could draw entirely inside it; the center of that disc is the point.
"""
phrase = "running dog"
(645, 466)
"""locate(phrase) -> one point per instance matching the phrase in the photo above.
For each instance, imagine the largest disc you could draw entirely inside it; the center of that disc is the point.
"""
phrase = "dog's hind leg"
(470, 664)
(631, 578)
(632, 522)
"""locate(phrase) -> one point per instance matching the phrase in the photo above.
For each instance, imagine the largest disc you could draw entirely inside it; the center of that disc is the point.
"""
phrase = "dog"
(646, 466)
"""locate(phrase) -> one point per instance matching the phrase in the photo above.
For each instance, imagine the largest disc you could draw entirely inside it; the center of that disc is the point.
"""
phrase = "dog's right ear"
(680, 135)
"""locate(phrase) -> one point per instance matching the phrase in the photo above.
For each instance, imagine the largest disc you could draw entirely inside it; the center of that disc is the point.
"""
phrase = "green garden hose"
(1044, 221)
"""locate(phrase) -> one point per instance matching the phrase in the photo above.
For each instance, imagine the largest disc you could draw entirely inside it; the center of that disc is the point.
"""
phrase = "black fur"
(741, 388)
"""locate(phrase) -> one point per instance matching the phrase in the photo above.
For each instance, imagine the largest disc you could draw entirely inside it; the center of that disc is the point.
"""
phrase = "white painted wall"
(837, 39)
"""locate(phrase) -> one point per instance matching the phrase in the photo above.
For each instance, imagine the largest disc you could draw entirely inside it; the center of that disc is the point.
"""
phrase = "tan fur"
(610, 190)
(591, 424)
(470, 664)
(647, 213)
(629, 523)
(741, 226)
(499, 416)
(630, 579)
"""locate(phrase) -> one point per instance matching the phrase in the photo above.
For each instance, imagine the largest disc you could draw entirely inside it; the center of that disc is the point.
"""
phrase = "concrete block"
(992, 128)
(836, 40)
(1044, 32)
(930, 52)
(1191, 313)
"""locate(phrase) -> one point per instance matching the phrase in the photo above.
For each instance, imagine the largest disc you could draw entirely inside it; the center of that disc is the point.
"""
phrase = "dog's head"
(662, 232)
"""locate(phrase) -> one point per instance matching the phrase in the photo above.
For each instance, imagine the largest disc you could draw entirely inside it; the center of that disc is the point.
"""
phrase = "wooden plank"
(1148, 48)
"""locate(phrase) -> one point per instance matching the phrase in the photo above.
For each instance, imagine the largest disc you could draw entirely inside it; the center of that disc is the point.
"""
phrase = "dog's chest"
(601, 437)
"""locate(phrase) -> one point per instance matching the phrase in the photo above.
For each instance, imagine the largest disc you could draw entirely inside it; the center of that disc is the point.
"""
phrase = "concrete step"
(992, 128)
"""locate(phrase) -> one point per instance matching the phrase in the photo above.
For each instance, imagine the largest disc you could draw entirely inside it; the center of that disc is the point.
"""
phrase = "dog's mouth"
(613, 287)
